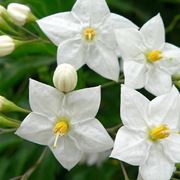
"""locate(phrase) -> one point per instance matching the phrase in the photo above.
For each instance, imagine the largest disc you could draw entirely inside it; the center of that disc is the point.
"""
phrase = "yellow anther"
(89, 34)
(154, 55)
(61, 128)
(159, 132)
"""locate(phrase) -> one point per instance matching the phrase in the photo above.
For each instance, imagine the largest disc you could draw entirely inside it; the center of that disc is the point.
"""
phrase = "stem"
(173, 23)
(109, 84)
(4, 131)
(124, 171)
(29, 172)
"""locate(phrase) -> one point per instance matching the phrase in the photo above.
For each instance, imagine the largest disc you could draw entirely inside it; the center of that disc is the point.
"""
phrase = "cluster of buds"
(15, 15)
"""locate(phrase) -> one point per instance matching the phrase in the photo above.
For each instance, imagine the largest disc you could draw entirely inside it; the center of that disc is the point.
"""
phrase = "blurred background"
(38, 61)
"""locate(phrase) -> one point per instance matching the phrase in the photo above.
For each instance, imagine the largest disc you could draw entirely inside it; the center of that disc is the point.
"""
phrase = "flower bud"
(7, 45)
(65, 78)
(2, 10)
(8, 106)
(20, 13)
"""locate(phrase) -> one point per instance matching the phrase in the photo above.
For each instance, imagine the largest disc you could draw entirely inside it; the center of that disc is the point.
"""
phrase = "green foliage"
(38, 60)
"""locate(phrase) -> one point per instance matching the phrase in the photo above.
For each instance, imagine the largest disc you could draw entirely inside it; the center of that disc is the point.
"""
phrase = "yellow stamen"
(154, 55)
(89, 34)
(159, 132)
(61, 128)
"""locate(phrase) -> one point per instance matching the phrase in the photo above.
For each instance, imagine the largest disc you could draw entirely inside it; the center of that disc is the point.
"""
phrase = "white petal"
(135, 74)
(45, 99)
(171, 59)
(165, 109)
(154, 32)
(60, 27)
(116, 21)
(104, 61)
(71, 52)
(67, 153)
(158, 81)
(172, 147)
(106, 29)
(92, 136)
(157, 166)
(133, 108)
(36, 128)
(139, 177)
(83, 104)
(131, 146)
(130, 42)
(91, 11)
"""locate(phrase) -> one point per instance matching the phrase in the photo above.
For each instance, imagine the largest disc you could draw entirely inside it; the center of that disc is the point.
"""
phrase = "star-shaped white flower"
(86, 36)
(148, 61)
(65, 122)
(150, 136)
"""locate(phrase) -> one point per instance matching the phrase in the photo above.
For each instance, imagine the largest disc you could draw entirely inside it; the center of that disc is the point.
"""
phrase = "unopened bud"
(65, 78)
(21, 14)
(7, 45)
(9, 106)
(2, 10)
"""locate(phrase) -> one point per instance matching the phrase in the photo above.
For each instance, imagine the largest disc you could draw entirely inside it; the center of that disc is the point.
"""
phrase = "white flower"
(149, 137)
(65, 78)
(149, 61)
(65, 123)
(95, 158)
(19, 13)
(86, 36)
(7, 45)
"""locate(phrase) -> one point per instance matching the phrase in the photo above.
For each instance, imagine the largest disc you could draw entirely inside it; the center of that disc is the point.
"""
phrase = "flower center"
(61, 128)
(154, 55)
(89, 34)
(159, 132)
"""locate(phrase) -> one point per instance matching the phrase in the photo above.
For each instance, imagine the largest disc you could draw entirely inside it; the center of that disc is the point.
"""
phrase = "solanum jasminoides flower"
(86, 36)
(65, 78)
(65, 122)
(148, 61)
(150, 136)
(7, 45)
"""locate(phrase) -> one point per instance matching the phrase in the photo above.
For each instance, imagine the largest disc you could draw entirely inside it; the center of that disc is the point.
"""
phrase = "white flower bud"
(19, 13)
(65, 78)
(2, 10)
(7, 45)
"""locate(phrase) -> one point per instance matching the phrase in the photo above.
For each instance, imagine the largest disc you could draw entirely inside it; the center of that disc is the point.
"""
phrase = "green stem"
(124, 171)
(173, 23)
(29, 172)
(112, 83)
(8, 122)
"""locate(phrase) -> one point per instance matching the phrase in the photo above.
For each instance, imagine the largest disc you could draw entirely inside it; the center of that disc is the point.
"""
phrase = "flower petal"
(157, 166)
(92, 136)
(45, 99)
(71, 52)
(83, 104)
(130, 42)
(116, 21)
(60, 26)
(172, 147)
(91, 11)
(133, 108)
(36, 128)
(171, 59)
(165, 109)
(67, 153)
(104, 61)
(135, 74)
(154, 32)
(158, 81)
(131, 146)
